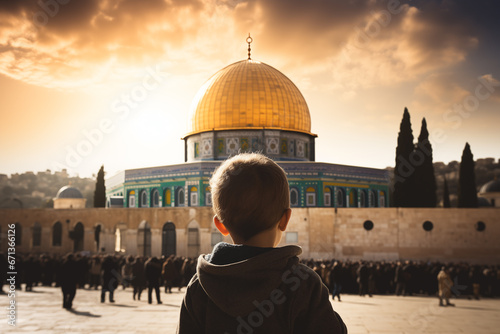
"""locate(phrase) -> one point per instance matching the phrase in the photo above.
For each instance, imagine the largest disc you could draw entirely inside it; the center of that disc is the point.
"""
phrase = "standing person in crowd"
(127, 272)
(152, 270)
(31, 273)
(95, 272)
(362, 279)
(68, 279)
(139, 277)
(475, 278)
(83, 270)
(187, 270)
(371, 279)
(335, 279)
(400, 279)
(109, 278)
(250, 197)
(444, 284)
(169, 273)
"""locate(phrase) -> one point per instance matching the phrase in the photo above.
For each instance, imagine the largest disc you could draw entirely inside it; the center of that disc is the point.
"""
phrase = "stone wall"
(322, 232)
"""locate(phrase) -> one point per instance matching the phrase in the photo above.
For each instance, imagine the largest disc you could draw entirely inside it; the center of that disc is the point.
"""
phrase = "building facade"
(249, 106)
(444, 234)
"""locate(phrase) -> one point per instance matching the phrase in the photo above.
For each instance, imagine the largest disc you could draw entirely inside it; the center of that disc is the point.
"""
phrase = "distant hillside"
(486, 170)
(30, 190)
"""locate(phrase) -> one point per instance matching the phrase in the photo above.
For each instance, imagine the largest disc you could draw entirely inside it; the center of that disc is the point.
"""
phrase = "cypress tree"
(100, 190)
(404, 171)
(425, 180)
(446, 195)
(467, 192)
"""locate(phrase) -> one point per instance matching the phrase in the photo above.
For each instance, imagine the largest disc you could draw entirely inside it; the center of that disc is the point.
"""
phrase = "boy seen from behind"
(252, 286)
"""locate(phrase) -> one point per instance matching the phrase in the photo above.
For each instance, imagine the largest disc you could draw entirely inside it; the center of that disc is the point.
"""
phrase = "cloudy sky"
(85, 83)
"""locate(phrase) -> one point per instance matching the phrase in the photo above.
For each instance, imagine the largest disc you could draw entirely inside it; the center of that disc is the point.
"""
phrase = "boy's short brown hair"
(249, 194)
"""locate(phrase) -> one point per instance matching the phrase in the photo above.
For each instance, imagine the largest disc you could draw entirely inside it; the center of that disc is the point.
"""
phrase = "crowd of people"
(104, 271)
(108, 272)
(406, 278)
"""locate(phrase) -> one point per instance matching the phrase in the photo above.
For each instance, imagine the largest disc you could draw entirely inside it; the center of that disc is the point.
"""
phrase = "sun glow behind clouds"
(364, 59)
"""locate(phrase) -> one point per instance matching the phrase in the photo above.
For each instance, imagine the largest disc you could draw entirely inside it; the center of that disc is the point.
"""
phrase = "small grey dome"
(483, 202)
(69, 192)
(491, 187)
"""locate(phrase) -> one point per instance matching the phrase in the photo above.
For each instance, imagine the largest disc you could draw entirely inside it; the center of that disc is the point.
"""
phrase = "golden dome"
(249, 95)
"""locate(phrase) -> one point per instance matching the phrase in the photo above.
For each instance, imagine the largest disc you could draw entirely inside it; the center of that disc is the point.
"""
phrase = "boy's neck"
(266, 239)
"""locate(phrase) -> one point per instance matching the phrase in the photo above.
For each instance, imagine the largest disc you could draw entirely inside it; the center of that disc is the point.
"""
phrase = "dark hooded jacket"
(243, 289)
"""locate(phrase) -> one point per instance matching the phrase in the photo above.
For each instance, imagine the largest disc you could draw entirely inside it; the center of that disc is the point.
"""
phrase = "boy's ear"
(222, 229)
(283, 223)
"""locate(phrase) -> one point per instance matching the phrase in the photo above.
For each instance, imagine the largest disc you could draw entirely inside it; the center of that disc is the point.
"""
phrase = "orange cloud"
(361, 43)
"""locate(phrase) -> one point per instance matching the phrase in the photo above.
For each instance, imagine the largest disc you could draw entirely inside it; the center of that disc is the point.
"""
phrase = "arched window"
(339, 198)
(168, 197)
(372, 202)
(131, 199)
(97, 236)
(193, 196)
(179, 197)
(327, 193)
(144, 239)
(118, 240)
(155, 198)
(57, 234)
(294, 197)
(353, 198)
(208, 197)
(37, 235)
(310, 196)
(381, 199)
(120, 237)
(78, 235)
(362, 199)
(19, 234)
(144, 199)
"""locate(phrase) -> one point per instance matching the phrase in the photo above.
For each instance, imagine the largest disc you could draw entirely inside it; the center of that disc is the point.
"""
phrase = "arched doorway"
(120, 238)
(78, 234)
(36, 235)
(97, 236)
(57, 234)
(168, 240)
(362, 199)
(193, 238)
(144, 239)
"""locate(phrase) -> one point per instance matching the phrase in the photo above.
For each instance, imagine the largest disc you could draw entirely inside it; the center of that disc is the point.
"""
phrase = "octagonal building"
(249, 106)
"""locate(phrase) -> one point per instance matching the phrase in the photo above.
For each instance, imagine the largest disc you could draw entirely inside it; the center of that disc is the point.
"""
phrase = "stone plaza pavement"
(41, 311)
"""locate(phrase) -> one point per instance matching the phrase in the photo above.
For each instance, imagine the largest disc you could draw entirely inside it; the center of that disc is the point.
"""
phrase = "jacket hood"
(235, 286)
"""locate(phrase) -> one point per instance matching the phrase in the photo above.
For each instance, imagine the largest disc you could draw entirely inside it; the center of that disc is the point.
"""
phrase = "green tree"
(404, 172)
(446, 195)
(100, 190)
(467, 192)
(425, 182)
